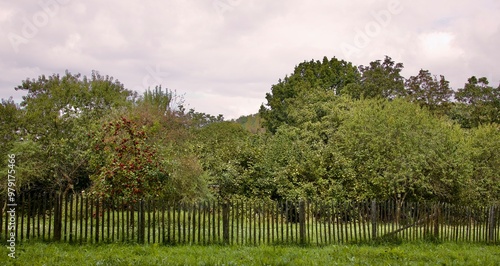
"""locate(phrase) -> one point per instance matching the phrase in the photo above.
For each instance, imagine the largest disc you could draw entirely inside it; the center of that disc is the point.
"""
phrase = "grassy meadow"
(421, 253)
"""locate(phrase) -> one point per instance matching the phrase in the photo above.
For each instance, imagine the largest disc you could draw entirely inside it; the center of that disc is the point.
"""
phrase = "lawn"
(381, 254)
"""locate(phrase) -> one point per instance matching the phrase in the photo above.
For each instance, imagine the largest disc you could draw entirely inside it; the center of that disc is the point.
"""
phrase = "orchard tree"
(483, 146)
(126, 166)
(168, 129)
(57, 111)
(398, 150)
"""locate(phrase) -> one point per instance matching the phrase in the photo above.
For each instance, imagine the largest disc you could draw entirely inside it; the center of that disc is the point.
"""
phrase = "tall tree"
(381, 79)
(429, 91)
(58, 110)
(323, 75)
(479, 103)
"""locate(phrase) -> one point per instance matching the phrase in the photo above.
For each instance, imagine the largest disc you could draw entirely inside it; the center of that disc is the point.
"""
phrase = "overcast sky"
(224, 55)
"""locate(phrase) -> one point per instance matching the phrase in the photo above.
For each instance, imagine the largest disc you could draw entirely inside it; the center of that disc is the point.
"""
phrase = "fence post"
(374, 219)
(225, 222)
(437, 213)
(141, 229)
(58, 217)
(302, 222)
(491, 225)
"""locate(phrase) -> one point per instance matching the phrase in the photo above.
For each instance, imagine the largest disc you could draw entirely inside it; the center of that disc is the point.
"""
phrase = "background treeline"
(329, 131)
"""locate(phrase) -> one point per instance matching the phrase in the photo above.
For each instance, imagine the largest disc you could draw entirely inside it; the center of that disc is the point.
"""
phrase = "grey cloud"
(225, 62)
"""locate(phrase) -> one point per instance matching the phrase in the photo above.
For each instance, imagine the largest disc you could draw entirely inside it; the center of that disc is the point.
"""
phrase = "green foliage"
(125, 164)
(313, 76)
(399, 150)
(252, 123)
(478, 103)
(430, 92)
(379, 80)
(483, 146)
(56, 115)
(158, 98)
(225, 155)
(329, 131)
(9, 124)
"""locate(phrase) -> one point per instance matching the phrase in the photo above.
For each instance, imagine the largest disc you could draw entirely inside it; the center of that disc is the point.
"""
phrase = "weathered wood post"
(58, 217)
(491, 225)
(374, 218)
(141, 228)
(225, 222)
(437, 213)
(302, 222)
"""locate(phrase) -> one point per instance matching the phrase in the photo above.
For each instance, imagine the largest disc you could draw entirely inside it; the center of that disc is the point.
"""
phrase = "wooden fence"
(79, 219)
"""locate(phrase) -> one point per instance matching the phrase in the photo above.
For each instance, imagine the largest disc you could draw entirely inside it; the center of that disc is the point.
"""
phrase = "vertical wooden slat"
(232, 210)
(169, 224)
(348, 228)
(112, 209)
(179, 231)
(70, 217)
(259, 221)
(315, 222)
(86, 207)
(91, 217)
(254, 223)
(225, 222)
(37, 213)
(28, 218)
(163, 225)
(208, 211)
(193, 211)
(150, 225)
(96, 216)
(204, 222)
(103, 215)
(81, 218)
(374, 218)
(302, 222)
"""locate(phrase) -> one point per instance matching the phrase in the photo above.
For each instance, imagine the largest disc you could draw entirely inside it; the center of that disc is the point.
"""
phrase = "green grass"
(382, 254)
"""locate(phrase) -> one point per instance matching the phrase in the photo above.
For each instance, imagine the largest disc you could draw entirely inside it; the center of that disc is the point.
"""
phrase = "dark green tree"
(381, 79)
(478, 103)
(429, 91)
(314, 76)
(57, 114)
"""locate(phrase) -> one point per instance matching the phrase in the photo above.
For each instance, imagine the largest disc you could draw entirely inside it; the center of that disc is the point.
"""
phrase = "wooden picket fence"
(79, 219)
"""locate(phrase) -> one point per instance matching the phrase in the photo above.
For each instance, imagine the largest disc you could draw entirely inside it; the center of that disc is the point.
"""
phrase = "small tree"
(126, 166)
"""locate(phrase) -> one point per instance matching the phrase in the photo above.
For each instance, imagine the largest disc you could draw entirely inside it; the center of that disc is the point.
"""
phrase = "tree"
(398, 150)
(126, 166)
(478, 103)
(380, 80)
(430, 92)
(225, 155)
(57, 113)
(9, 124)
(483, 188)
(169, 135)
(316, 76)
